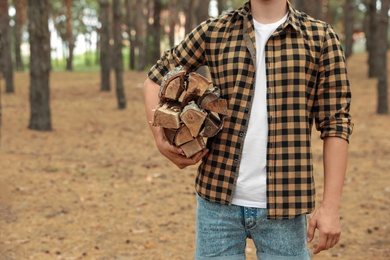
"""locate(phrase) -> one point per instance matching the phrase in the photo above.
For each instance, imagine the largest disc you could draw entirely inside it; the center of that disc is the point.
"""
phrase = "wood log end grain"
(167, 116)
(193, 117)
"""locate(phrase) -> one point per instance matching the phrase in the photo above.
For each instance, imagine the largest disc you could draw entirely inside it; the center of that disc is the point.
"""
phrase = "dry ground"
(96, 187)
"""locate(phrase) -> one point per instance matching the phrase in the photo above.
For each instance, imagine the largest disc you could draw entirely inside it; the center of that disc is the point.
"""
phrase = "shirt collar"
(293, 19)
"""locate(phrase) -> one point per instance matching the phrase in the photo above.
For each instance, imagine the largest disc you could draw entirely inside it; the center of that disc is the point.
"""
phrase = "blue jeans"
(221, 233)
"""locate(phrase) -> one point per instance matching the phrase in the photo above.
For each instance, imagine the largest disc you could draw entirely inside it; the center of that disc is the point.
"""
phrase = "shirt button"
(241, 134)
(246, 110)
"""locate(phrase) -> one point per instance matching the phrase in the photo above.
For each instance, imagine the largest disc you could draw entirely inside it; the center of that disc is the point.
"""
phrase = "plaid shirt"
(307, 84)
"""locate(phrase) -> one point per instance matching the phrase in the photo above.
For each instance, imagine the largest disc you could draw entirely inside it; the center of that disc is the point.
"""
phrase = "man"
(281, 71)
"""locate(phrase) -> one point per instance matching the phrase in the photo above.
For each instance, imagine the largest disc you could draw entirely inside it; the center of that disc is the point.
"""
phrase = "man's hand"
(327, 221)
(176, 155)
(327, 218)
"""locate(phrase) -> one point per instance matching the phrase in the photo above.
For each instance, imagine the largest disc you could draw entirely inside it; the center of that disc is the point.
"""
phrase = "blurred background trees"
(92, 35)
(5, 59)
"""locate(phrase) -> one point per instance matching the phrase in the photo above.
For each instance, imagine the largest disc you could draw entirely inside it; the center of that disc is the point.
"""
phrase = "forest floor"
(96, 187)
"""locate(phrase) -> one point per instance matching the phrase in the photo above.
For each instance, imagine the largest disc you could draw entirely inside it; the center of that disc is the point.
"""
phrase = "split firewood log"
(173, 85)
(170, 135)
(193, 117)
(183, 135)
(210, 101)
(197, 85)
(193, 147)
(212, 125)
(167, 116)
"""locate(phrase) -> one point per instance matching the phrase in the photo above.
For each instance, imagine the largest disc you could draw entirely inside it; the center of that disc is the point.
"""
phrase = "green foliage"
(84, 17)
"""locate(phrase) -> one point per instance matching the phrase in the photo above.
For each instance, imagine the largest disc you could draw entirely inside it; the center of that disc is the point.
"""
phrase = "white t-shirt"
(251, 186)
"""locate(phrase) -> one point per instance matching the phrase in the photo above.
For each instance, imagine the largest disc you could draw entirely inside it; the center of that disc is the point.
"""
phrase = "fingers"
(311, 230)
(326, 241)
(177, 156)
(184, 162)
(198, 156)
(328, 225)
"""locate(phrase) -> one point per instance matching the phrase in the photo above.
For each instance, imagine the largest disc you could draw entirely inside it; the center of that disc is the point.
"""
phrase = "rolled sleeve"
(333, 91)
(190, 54)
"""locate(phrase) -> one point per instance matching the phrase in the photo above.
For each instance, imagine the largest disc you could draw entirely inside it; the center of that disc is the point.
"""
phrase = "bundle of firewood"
(190, 110)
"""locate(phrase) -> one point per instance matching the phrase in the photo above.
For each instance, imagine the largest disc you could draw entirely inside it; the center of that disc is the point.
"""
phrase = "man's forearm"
(335, 154)
(151, 99)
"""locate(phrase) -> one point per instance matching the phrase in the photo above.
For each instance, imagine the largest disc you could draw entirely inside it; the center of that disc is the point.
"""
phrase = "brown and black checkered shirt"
(307, 83)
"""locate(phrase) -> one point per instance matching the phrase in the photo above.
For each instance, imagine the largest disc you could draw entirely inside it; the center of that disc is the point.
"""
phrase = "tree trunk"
(148, 45)
(1, 117)
(6, 66)
(312, 7)
(172, 21)
(157, 30)
(118, 58)
(105, 48)
(129, 5)
(202, 11)
(372, 39)
(20, 18)
(132, 54)
(38, 15)
(383, 22)
(87, 54)
(69, 35)
(221, 6)
(140, 35)
(349, 7)
(69, 59)
(97, 46)
(189, 7)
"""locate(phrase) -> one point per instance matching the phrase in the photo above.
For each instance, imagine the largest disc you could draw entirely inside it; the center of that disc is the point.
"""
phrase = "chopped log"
(219, 106)
(193, 117)
(194, 146)
(170, 135)
(211, 101)
(197, 85)
(182, 97)
(212, 125)
(167, 116)
(173, 87)
(182, 136)
(208, 97)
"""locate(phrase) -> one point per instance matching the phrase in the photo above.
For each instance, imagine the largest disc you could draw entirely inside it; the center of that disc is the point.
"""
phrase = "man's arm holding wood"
(173, 153)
